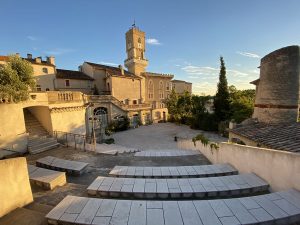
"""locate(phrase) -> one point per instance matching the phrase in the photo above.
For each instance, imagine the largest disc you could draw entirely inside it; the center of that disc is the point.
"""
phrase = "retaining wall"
(280, 169)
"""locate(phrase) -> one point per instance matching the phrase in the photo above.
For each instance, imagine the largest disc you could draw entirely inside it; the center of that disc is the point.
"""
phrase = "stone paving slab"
(209, 187)
(173, 171)
(48, 179)
(68, 166)
(275, 208)
(166, 153)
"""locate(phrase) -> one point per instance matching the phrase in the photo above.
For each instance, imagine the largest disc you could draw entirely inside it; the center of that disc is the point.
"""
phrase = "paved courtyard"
(159, 136)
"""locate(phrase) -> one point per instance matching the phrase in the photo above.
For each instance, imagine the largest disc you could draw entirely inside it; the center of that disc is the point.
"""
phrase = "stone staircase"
(39, 139)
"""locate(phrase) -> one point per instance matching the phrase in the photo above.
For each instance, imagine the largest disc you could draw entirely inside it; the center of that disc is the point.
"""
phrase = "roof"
(158, 75)
(45, 63)
(255, 82)
(276, 136)
(72, 75)
(114, 71)
(181, 81)
(3, 58)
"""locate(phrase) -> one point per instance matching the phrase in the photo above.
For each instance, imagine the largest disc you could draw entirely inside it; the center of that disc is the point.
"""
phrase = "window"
(47, 89)
(38, 87)
(134, 102)
(67, 83)
(150, 89)
(45, 70)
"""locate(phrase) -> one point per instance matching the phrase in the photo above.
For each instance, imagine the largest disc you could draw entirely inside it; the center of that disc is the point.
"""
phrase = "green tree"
(241, 103)
(16, 79)
(222, 100)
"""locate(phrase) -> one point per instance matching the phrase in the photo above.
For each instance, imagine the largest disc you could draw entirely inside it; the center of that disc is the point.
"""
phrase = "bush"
(109, 141)
(121, 124)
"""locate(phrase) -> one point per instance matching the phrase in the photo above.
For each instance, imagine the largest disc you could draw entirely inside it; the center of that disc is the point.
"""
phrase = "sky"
(184, 38)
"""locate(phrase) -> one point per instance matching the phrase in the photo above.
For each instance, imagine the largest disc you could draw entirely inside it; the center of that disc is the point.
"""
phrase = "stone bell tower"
(135, 48)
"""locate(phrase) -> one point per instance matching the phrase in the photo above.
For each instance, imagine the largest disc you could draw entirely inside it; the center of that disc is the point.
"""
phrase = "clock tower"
(136, 62)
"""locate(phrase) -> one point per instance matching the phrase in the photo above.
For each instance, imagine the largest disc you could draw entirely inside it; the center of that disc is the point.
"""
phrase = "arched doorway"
(101, 116)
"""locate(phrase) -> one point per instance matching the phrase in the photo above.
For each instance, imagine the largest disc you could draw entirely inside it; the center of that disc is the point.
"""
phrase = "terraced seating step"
(48, 179)
(165, 153)
(275, 208)
(68, 166)
(209, 187)
(173, 171)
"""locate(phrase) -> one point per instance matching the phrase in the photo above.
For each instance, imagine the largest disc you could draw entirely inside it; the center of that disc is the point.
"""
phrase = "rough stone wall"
(277, 97)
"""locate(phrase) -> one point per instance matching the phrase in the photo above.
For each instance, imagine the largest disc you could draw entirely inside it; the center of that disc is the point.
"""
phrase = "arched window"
(139, 40)
(150, 89)
(161, 90)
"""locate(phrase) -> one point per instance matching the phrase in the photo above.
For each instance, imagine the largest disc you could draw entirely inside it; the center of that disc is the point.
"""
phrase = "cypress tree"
(221, 100)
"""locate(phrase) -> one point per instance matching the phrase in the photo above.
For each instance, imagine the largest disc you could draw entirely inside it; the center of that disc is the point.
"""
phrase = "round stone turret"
(277, 91)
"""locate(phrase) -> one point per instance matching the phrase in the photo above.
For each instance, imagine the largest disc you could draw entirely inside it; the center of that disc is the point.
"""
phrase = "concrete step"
(43, 149)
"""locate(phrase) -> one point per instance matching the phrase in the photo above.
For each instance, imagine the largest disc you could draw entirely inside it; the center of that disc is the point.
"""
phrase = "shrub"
(109, 141)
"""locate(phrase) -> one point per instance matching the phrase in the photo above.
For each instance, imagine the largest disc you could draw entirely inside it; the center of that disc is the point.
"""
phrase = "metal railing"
(77, 141)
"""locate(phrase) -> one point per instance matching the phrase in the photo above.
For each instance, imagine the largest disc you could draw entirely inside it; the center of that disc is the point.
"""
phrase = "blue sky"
(186, 38)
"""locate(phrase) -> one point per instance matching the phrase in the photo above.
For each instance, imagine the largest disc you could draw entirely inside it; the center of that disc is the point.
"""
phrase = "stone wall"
(12, 128)
(280, 169)
(15, 190)
(277, 95)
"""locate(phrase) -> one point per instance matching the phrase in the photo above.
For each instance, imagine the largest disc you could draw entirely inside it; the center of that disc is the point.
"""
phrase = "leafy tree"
(242, 103)
(222, 100)
(171, 104)
(16, 79)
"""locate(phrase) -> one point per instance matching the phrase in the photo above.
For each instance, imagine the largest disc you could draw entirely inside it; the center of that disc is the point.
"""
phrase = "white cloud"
(248, 54)
(31, 38)
(59, 51)
(108, 63)
(153, 41)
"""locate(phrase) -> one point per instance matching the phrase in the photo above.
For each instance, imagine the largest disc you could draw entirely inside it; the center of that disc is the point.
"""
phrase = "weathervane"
(133, 25)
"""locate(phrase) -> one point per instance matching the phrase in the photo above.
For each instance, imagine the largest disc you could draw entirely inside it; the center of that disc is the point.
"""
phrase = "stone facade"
(277, 90)
(181, 86)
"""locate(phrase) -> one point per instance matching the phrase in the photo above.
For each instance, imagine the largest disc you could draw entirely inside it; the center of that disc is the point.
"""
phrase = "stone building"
(274, 123)
(43, 70)
(66, 100)
(181, 86)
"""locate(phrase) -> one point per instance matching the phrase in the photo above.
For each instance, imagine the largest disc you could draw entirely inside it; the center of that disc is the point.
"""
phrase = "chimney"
(121, 68)
(51, 60)
(29, 56)
(38, 59)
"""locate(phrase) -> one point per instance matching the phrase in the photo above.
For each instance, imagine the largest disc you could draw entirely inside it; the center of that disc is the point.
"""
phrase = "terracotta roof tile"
(72, 75)
(114, 71)
(276, 136)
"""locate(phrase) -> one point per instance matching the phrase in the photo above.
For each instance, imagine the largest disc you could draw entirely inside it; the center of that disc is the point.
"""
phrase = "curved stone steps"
(210, 187)
(69, 166)
(173, 171)
(275, 208)
(166, 153)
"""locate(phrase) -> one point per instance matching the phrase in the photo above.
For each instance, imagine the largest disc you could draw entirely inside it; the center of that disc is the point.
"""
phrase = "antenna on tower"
(133, 25)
